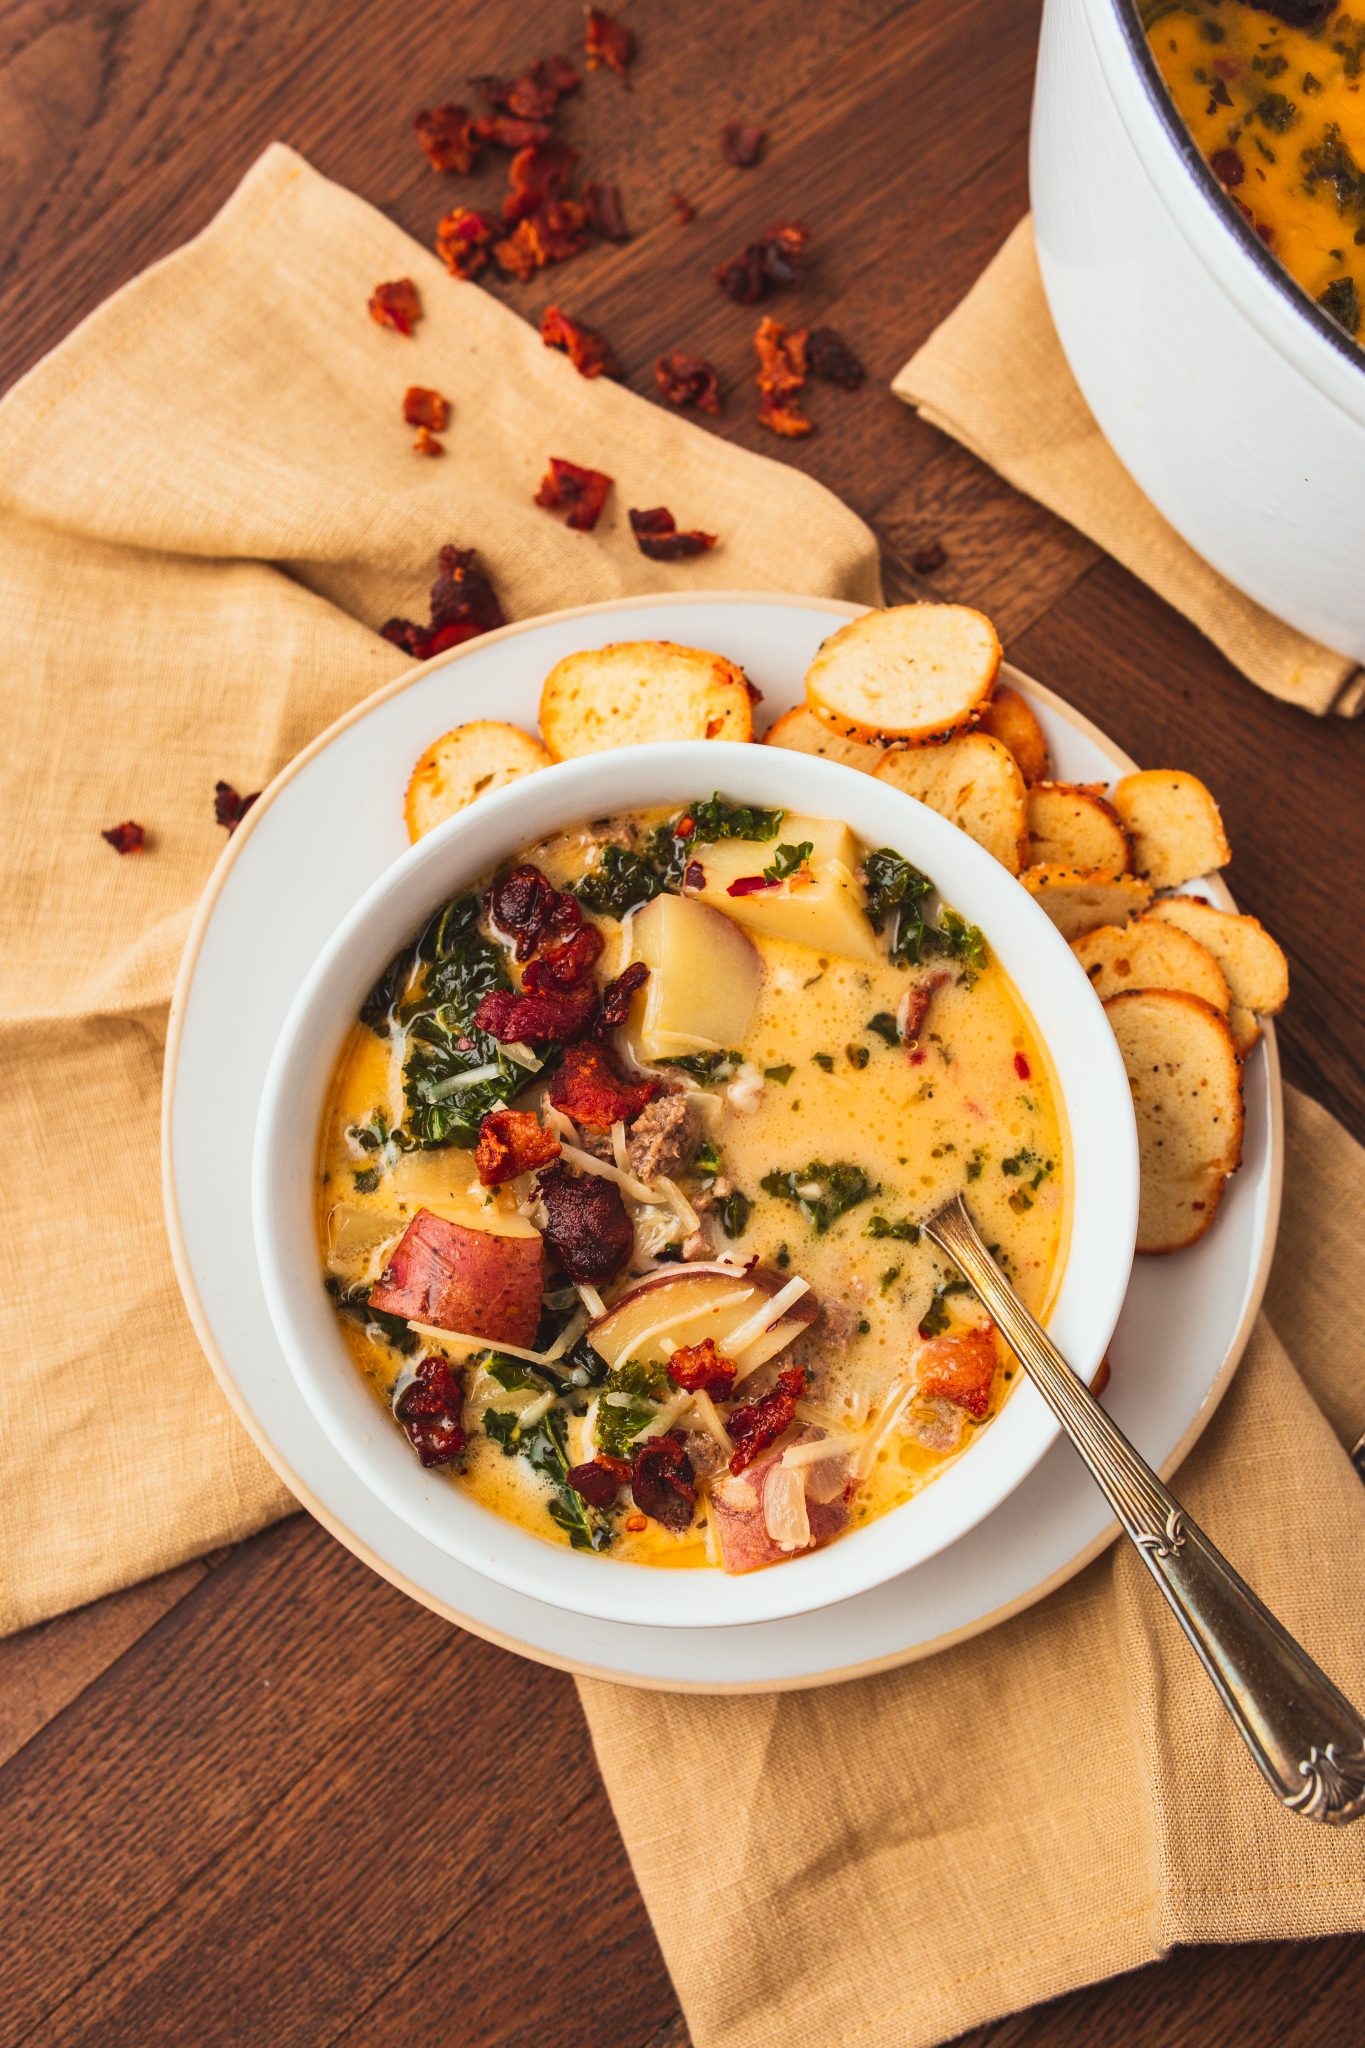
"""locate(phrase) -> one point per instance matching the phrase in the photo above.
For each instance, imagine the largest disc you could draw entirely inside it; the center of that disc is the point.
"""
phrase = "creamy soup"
(623, 1173)
(1278, 110)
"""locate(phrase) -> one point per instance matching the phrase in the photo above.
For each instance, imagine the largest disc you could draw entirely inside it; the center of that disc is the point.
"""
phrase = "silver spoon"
(1308, 1741)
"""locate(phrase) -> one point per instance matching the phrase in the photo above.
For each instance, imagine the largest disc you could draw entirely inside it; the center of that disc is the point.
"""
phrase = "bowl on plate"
(1234, 401)
(1096, 1109)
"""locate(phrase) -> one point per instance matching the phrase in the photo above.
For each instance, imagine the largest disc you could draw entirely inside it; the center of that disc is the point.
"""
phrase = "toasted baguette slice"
(1146, 954)
(1009, 718)
(1186, 1080)
(1081, 899)
(1246, 1028)
(465, 764)
(1257, 971)
(1077, 827)
(1176, 827)
(975, 782)
(907, 676)
(802, 732)
(639, 691)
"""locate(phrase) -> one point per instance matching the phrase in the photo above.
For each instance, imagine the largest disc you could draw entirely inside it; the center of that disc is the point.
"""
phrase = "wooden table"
(283, 1874)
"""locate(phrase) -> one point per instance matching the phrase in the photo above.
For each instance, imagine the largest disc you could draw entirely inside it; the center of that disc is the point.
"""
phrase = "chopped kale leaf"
(789, 861)
(821, 1192)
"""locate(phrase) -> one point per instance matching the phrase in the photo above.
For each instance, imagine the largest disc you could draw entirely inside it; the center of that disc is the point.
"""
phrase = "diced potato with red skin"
(736, 1505)
(473, 1281)
(704, 978)
(960, 1368)
(678, 1306)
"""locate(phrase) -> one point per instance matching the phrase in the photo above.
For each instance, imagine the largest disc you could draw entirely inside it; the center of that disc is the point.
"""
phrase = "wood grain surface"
(267, 1800)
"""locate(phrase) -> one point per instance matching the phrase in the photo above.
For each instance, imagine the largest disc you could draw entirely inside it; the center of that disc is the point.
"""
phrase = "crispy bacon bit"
(590, 1088)
(917, 1008)
(829, 357)
(430, 1410)
(607, 42)
(558, 231)
(539, 175)
(463, 1279)
(761, 1422)
(1227, 167)
(683, 209)
(657, 535)
(661, 1481)
(583, 491)
(776, 258)
(742, 144)
(589, 352)
(1022, 1067)
(618, 994)
(700, 1368)
(600, 1480)
(463, 605)
(463, 240)
(781, 374)
(931, 557)
(512, 1141)
(510, 131)
(565, 965)
(426, 443)
(960, 1368)
(602, 204)
(684, 379)
(228, 808)
(447, 137)
(526, 906)
(425, 408)
(396, 305)
(536, 93)
(586, 1224)
(554, 1018)
(126, 838)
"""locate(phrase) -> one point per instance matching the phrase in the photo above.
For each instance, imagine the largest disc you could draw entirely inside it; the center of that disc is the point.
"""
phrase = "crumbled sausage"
(663, 1138)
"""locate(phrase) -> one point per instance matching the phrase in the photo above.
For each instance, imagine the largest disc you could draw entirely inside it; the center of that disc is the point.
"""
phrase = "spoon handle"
(1308, 1741)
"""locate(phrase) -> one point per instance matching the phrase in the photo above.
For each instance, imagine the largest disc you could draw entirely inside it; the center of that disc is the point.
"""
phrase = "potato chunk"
(703, 982)
(821, 906)
(678, 1308)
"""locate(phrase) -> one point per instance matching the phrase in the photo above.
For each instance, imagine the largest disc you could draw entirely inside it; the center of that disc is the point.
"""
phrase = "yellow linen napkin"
(888, 1862)
(994, 377)
(208, 504)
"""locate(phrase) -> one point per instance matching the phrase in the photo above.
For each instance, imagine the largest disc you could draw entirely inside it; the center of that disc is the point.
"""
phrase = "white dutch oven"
(1235, 402)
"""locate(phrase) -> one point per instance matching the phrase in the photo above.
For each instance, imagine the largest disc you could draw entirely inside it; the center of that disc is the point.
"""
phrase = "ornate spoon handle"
(1308, 1741)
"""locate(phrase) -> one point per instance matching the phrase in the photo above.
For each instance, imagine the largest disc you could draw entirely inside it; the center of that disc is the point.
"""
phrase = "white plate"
(315, 841)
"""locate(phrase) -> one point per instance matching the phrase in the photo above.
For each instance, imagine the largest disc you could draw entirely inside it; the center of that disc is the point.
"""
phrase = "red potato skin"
(468, 1280)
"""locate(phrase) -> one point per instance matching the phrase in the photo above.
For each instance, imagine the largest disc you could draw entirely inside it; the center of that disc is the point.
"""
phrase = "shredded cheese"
(618, 1146)
(469, 1079)
(709, 1417)
(772, 1311)
(522, 1055)
(448, 1339)
(627, 1182)
(679, 1203)
(591, 1299)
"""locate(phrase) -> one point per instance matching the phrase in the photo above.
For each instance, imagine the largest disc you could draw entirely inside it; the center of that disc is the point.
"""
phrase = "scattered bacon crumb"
(917, 1009)
(776, 258)
(512, 1141)
(510, 131)
(742, 144)
(426, 443)
(661, 1481)
(781, 374)
(463, 239)
(446, 134)
(558, 231)
(960, 1368)
(430, 1411)
(607, 42)
(583, 491)
(685, 379)
(228, 808)
(555, 1018)
(683, 208)
(602, 204)
(540, 174)
(931, 556)
(830, 358)
(425, 408)
(1227, 166)
(525, 906)
(700, 1368)
(600, 1480)
(657, 535)
(463, 605)
(564, 965)
(589, 1087)
(535, 93)
(618, 994)
(397, 305)
(128, 837)
(760, 1423)
(589, 352)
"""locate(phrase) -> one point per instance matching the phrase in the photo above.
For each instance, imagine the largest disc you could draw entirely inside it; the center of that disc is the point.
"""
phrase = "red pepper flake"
(589, 352)
(582, 491)
(600, 1480)
(829, 357)
(447, 137)
(535, 93)
(589, 1087)
(510, 131)
(425, 408)
(684, 379)
(426, 443)
(661, 1481)
(126, 838)
(602, 204)
(560, 230)
(463, 240)
(775, 259)
(228, 808)
(463, 605)
(656, 535)
(781, 374)
(750, 885)
(539, 175)
(1022, 1067)
(760, 1423)
(931, 557)
(431, 1409)
(396, 305)
(607, 42)
(700, 1368)
(1227, 167)
(741, 144)
(618, 994)
(683, 209)
(512, 1141)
